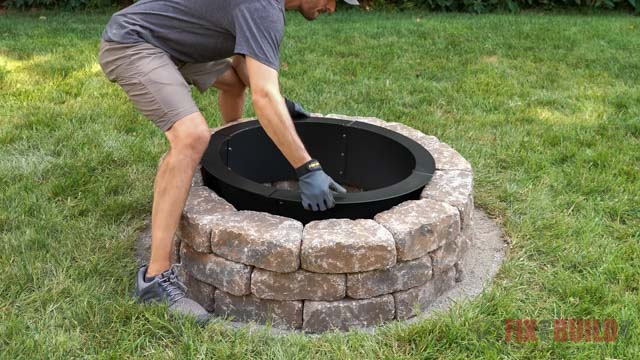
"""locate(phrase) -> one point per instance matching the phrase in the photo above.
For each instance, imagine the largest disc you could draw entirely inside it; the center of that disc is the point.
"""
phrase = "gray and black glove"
(296, 111)
(316, 187)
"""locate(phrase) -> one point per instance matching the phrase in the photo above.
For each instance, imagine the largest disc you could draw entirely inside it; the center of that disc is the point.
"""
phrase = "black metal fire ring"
(389, 167)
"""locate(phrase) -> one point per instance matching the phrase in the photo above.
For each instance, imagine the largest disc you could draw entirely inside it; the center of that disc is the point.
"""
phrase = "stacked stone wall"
(336, 273)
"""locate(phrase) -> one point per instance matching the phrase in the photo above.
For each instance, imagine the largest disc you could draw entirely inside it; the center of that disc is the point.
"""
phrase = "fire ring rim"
(423, 172)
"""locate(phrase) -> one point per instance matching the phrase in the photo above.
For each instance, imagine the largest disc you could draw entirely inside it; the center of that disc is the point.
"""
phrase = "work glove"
(296, 111)
(316, 187)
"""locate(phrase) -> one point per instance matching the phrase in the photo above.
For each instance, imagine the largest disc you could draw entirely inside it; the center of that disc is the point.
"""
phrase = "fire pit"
(249, 251)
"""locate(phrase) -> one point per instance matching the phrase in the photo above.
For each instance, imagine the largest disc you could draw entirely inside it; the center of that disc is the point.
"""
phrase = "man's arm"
(296, 111)
(315, 185)
(272, 112)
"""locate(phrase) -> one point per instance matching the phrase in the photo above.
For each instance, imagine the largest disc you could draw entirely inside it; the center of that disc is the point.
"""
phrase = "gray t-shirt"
(203, 30)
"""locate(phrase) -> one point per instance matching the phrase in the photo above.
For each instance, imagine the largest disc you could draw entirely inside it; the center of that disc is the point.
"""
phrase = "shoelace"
(170, 283)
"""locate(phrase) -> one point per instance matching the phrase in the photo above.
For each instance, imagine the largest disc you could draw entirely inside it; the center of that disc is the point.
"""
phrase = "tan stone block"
(343, 246)
(414, 134)
(195, 225)
(420, 226)
(454, 187)
(365, 119)
(256, 238)
(444, 155)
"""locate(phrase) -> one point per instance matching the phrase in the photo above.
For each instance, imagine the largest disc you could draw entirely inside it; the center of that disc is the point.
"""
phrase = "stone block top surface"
(255, 238)
(345, 246)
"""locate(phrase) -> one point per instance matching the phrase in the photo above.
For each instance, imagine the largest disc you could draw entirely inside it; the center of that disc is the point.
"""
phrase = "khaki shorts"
(158, 86)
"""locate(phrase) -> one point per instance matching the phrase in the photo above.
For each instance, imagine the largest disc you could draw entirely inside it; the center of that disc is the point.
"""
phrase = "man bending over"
(154, 49)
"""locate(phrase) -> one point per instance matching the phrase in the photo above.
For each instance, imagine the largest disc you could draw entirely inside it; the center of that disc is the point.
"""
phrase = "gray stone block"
(298, 285)
(401, 276)
(199, 291)
(280, 314)
(197, 178)
(445, 256)
(411, 302)
(465, 239)
(229, 276)
(346, 314)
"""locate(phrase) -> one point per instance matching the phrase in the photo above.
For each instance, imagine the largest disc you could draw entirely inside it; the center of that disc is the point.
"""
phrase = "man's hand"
(316, 187)
(296, 110)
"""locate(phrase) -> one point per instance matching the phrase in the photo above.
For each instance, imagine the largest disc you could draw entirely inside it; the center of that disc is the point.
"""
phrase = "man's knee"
(189, 137)
(230, 82)
(240, 66)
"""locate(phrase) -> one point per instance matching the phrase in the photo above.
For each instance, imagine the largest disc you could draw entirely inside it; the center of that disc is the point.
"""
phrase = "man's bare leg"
(231, 96)
(188, 139)
(240, 66)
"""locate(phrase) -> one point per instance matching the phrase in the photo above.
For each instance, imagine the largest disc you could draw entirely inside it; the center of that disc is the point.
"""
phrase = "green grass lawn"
(546, 107)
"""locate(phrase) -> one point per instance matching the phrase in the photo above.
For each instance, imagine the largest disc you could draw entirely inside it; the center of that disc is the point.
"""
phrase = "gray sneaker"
(167, 288)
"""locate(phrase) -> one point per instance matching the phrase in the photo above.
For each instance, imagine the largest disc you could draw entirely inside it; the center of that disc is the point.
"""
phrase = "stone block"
(199, 291)
(343, 246)
(224, 274)
(298, 285)
(459, 271)
(401, 276)
(365, 119)
(445, 256)
(175, 251)
(454, 187)
(420, 226)
(346, 314)
(197, 178)
(413, 301)
(195, 225)
(280, 314)
(444, 155)
(414, 134)
(256, 238)
(465, 239)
